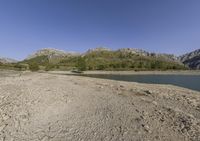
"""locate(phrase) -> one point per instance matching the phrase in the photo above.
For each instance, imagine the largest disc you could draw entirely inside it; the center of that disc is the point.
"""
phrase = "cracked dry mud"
(50, 107)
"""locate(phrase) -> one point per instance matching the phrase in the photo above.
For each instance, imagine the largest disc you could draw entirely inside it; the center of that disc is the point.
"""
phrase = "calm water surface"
(187, 81)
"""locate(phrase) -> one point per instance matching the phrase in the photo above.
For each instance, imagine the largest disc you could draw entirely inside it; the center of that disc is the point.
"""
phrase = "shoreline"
(192, 72)
(96, 72)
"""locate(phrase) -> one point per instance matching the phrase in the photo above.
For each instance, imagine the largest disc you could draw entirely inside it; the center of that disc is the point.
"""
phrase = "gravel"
(52, 107)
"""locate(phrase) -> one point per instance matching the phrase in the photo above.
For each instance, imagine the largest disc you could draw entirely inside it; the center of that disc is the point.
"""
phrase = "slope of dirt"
(50, 107)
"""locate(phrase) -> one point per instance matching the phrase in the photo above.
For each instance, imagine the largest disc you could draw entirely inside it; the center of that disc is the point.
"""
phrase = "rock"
(146, 128)
(148, 92)
(101, 87)
(198, 107)
(155, 103)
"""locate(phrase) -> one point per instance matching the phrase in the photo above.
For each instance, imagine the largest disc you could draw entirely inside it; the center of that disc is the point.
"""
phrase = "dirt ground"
(52, 107)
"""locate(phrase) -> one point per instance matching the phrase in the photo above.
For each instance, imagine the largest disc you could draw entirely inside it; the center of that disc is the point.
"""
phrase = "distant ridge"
(52, 53)
(104, 56)
(56, 53)
(7, 60)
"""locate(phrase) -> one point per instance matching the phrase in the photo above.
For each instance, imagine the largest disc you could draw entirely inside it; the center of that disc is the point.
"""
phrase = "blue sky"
(169, 26)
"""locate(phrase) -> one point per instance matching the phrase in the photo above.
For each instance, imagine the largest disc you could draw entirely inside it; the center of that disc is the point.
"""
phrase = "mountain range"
(102, 54)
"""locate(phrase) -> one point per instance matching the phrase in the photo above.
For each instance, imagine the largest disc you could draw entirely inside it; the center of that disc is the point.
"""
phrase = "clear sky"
(169, 26)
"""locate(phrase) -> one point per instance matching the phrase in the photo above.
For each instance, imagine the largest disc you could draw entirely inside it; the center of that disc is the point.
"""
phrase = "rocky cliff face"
(191, 59)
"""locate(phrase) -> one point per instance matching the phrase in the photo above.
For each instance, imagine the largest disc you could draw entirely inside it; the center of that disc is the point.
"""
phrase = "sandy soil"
(50, 107)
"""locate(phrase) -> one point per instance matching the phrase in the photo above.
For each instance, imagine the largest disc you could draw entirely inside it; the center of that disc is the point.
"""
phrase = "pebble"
(2, 127)
(45, 139)
(101, 87)
(155, 103)
(5, 117)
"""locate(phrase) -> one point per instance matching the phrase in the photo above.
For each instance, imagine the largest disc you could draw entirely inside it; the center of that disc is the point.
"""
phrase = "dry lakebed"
(54, 107)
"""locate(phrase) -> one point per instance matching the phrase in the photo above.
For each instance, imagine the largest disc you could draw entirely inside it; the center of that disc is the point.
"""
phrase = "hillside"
(135, 59)
(48, 57)
(191, 59)
(104, 59)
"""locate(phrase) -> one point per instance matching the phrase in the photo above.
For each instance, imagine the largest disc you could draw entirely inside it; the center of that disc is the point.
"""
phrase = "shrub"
(21, 67)
(49, 67)
(33, 67)
(81, 64)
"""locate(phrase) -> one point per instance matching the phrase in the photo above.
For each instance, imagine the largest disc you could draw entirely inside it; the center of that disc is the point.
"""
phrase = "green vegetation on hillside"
(104, 60)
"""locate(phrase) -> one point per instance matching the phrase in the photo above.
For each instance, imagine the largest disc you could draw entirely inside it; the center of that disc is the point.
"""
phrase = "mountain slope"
(130, 59)
(191, 59)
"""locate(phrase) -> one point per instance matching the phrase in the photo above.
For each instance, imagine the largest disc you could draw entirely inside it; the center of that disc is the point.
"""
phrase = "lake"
(187, 81)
